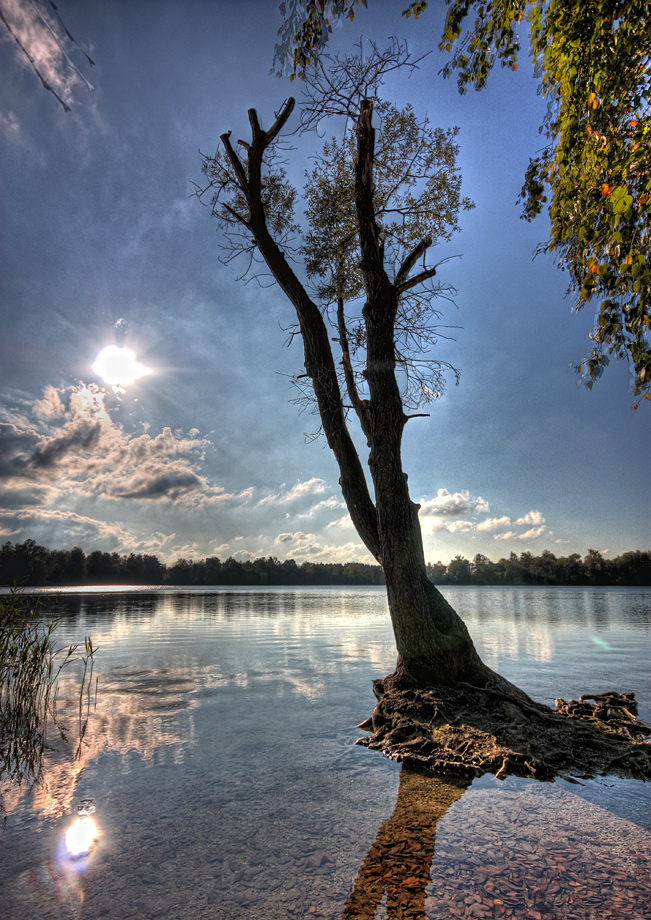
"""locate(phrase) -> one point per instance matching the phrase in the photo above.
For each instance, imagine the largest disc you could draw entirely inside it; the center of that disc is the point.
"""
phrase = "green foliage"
(136, 569)
(632, 568)
(418, 7)
(305, 31)
(592, 58)
(416, 196)
(595, 71)
(330, 246)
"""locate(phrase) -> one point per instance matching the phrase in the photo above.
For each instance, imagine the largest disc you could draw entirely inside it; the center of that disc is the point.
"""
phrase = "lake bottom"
(222, 767)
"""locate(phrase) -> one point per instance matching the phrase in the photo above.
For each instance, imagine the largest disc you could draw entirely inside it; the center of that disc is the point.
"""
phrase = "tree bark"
(434, 646)
(432, 640)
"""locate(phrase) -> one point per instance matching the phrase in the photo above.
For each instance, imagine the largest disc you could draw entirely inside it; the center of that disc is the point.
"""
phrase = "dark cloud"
(82, 437)
(168, 485)
(16, 445)
(24, 497)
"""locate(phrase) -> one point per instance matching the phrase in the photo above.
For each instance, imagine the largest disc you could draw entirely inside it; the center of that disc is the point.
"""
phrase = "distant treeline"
(633, 568)
(30, 564)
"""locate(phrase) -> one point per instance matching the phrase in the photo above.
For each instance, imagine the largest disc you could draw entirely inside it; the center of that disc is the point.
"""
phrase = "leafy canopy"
(592, 57)
(416, 195)
(593, 61)
(416, 198)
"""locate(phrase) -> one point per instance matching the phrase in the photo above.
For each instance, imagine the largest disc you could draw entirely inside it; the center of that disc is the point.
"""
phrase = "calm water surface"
(221, 761)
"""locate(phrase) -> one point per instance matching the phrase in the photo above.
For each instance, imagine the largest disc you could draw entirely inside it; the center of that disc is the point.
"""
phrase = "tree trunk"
(432, 640)
(433, 643)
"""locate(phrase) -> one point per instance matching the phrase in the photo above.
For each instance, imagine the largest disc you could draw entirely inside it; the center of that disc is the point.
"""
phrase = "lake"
(220, 759)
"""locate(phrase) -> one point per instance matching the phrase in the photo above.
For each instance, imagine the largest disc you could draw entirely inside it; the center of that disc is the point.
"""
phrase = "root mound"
(466, 731)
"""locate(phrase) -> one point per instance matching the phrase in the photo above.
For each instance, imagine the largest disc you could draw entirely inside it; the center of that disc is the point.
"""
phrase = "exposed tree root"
(467, 730)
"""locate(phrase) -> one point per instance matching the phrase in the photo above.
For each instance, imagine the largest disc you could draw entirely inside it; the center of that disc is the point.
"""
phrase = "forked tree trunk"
(433, 643)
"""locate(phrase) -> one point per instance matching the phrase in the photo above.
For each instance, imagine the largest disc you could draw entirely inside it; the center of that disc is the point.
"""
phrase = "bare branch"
(281, 120)
(360, 406)
(418, 250)
(336, 84)
(235, 161)
(261, 192)
(417, 279)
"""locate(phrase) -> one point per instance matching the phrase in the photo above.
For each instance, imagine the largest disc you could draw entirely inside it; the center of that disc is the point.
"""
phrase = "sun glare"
(80, 836)
(119, 367)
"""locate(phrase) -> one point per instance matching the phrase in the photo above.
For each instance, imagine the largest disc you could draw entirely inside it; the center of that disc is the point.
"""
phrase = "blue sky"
(207, 455)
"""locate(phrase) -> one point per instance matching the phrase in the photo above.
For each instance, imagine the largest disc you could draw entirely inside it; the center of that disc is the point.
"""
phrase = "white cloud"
(459, 526)
(531, 517)
(534, 532)
(307, 547)
(345, 522)
(530, 534)
(328, 504)
(72, 446)
(300, 490)
(494, 523)
(452, 504)
(50, 406)
(70, 527)
(64, 463)
(9, 125)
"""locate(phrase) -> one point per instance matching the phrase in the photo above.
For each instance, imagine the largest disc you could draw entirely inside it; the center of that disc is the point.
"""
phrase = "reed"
(30, 666)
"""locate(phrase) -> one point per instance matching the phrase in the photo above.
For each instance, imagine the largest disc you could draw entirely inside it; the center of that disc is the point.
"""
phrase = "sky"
(103, 243)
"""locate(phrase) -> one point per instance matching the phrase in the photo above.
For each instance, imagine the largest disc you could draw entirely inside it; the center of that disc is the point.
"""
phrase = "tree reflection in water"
(399, 861)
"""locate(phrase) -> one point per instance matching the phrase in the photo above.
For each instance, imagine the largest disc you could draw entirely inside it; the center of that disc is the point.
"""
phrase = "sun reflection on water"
(80, 836)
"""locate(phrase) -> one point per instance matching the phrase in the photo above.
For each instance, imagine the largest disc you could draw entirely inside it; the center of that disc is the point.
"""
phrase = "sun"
(119, 366)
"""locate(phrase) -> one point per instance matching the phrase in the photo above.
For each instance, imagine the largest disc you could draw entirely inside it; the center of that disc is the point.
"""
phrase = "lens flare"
(80, 836)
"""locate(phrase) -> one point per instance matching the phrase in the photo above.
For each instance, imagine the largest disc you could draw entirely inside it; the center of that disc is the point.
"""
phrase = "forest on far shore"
(28, 564)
